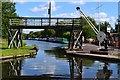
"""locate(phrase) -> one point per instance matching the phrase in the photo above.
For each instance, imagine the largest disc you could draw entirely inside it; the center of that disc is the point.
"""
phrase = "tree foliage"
(48, 33)
(67, 35)
(8, 10)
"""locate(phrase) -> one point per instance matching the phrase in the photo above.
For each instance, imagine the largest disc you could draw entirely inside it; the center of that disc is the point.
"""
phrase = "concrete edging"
(17, 56)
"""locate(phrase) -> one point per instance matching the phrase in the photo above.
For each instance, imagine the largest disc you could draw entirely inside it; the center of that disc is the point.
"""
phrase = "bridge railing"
(35, 21)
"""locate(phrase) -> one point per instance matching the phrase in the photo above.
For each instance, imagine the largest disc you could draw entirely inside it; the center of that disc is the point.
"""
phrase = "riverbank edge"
(93, 56)
(31, 50)
(18, 56)
(87, 54)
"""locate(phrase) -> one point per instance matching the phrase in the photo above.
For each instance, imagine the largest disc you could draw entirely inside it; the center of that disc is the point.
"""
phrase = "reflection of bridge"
(16, 24)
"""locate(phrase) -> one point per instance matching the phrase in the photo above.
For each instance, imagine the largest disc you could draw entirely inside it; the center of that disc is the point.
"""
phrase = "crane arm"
(89, 22)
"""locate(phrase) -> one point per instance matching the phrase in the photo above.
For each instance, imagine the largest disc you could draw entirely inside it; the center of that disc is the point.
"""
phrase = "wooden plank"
(97, 56)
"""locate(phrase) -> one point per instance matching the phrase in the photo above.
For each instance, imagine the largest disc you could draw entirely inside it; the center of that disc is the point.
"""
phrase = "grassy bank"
(14, 51)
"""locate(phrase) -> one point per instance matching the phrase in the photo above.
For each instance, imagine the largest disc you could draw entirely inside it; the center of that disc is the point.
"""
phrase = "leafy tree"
(88, 32)
(8, 10)
(30, 35)
(48, 33)
(67, 35)
(24, 36)
(38, 34)
(104, 25)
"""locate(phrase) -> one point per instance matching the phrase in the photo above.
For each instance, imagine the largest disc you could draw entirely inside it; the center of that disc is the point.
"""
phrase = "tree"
(67, 35)
(87, 30)
(8, 10)
(48, 33)
(30, 35)
(24, 36)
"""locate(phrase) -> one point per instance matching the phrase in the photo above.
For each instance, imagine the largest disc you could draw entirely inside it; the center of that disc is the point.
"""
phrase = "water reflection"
(57, 65)
(76, 66)
(104, 73)
(12, 68)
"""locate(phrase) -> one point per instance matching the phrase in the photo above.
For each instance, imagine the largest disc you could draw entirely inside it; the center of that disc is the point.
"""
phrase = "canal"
(56, 64)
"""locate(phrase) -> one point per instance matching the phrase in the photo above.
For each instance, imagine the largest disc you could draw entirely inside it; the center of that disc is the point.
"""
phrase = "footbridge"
(16, 24)
(43, 23)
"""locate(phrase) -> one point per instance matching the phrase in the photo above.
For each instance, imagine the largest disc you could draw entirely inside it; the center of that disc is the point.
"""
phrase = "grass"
(14, 51)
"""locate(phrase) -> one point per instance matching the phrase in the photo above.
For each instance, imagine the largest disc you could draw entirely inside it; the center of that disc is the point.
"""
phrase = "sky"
(108, 11)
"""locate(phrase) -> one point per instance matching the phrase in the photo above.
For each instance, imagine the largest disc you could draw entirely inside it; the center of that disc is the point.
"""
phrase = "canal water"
(58, 65)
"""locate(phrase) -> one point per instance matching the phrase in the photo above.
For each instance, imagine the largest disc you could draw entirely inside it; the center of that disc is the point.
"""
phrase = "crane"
(101, 36)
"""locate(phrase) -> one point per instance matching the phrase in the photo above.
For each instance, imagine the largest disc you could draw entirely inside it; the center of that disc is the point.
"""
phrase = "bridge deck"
(43, 23)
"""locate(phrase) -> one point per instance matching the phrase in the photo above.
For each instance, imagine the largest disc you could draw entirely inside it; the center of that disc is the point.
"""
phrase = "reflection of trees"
(75, 63)
(12, 68)
(60, 54)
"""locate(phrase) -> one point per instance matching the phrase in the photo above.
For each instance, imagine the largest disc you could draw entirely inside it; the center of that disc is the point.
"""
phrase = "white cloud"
(44, 7)
(78, 1)
(20, 1)
(68, 15)
(39, 8)
(104, 17)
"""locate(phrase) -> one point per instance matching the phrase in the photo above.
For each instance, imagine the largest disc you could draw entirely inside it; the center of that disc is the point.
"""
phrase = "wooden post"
(17, 39)
(21, 38)
(41, 21)
(12, 40)
(106, 42)
(57, 22)
(9, 37)
(73, 39)
(71, 34)
(81, 42)
(71, 64)
(12, 33)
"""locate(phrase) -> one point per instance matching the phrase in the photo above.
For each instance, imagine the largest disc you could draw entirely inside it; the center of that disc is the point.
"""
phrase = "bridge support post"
(14, 38)
(9, 37)
(71, 41)
(76, 36)
(21, 38)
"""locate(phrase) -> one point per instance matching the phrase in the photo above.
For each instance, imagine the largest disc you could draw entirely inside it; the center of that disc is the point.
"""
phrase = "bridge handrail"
(42, 21)
(42, 18)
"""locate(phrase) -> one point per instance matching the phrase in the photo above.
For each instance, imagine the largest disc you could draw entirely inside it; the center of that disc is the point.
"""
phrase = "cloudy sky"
(108, 11)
